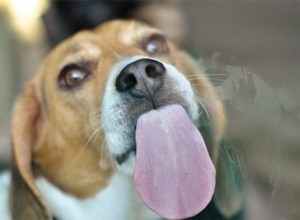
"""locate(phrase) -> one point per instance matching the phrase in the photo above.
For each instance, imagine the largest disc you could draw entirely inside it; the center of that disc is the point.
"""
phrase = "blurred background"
(250, 50)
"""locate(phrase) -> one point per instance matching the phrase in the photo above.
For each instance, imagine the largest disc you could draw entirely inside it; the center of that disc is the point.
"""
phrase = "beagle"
(119, 124)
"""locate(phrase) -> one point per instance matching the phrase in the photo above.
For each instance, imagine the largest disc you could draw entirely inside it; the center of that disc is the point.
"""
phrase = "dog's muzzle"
(136, 86)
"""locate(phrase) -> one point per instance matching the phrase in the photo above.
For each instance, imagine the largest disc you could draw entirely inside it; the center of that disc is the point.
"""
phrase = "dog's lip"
(121, 158)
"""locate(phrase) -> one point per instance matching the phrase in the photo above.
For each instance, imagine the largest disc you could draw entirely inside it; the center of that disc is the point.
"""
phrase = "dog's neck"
(118, 200)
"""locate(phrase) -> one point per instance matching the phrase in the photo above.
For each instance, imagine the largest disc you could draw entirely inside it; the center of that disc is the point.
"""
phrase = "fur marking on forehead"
(133, 32)
(83, 51)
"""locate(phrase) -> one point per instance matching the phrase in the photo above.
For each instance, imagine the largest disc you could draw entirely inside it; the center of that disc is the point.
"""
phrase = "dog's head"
(75, 123)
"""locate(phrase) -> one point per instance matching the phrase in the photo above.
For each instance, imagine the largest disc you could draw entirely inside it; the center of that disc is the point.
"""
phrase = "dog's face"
(82, 106)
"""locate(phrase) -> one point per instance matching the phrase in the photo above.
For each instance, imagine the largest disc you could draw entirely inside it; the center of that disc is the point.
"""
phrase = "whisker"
(195, 77)
(205, 78)
(199, 101)
(198, 97)
(217, 74)
(95, 121)
(101, 153)
(203, 83)
(85, 145)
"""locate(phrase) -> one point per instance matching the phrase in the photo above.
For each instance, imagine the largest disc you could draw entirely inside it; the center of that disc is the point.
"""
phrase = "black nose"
(141, 78)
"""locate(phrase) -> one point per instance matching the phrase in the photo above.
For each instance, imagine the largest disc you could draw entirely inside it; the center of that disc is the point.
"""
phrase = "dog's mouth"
(150, 130)
(136, 87)
(121, 158)
(136, 112)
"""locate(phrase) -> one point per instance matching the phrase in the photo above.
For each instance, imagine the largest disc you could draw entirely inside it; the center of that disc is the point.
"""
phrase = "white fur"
(118, 200)
(4, 189)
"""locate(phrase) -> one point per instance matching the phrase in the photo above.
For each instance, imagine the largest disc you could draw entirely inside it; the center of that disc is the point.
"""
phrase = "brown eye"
(72, 76)
(156, 44)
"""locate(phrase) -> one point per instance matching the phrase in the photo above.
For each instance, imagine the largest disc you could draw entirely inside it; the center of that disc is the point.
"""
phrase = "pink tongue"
(174, 174)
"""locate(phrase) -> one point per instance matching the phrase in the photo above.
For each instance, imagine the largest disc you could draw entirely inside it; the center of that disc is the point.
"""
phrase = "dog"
(77, 132)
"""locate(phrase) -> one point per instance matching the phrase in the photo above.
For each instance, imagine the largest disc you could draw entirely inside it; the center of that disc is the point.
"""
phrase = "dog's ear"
(26, 201)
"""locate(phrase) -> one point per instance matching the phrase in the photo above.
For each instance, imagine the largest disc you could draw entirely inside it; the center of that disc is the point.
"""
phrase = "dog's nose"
(141, 78)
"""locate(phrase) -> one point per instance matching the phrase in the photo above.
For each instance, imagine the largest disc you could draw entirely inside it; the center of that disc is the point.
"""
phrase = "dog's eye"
(156, 44)
(72, 76)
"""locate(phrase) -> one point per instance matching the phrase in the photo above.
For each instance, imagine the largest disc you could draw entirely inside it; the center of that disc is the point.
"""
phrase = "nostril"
(130, 81)
(151, 71)
(154, 70)
(125, 82)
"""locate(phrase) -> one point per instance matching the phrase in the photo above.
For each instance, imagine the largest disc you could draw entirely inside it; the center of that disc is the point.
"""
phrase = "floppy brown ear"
(25, 199)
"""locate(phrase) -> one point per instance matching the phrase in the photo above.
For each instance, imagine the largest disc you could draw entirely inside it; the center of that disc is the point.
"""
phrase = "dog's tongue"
(174, 174)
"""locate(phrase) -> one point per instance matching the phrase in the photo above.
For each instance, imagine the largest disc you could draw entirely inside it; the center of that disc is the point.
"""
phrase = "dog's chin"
(128, 165)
